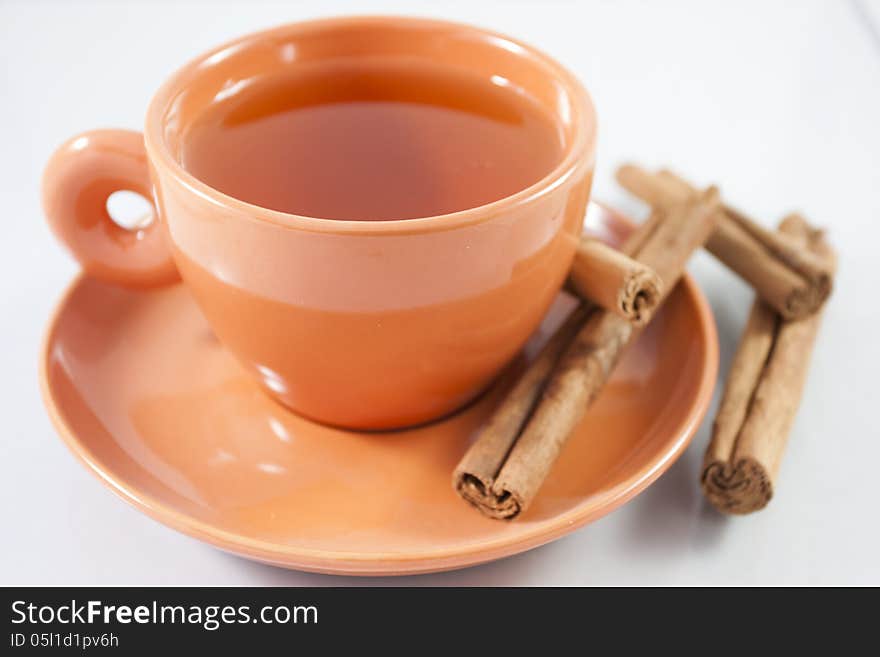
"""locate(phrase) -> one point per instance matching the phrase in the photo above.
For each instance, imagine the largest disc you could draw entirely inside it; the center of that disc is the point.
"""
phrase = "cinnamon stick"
(504, 468)
(614, 281)
(788, 277)
(486, 457)
(761, 398)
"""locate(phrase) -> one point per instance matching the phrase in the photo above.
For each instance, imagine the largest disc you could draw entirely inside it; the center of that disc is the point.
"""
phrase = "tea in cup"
(373, 214)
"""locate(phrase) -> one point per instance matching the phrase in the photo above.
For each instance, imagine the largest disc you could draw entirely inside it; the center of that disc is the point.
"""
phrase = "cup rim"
(579, 152)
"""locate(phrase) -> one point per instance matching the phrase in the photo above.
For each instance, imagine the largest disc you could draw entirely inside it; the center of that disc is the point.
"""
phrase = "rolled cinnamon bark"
(788, 277)
(475, 473)
(761, 397)
(501, 476)
(614, 281)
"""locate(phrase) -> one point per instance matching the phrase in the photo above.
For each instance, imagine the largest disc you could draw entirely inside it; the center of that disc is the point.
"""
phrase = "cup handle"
(79, 178)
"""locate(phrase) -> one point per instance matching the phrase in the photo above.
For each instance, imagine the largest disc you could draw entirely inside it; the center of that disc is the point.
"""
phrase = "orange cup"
(362, 324)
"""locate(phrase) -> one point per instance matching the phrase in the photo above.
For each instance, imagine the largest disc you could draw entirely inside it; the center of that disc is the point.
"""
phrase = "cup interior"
(499, 60)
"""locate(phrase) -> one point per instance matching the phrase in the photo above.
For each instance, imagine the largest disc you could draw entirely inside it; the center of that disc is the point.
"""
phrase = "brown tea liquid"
(372, 141)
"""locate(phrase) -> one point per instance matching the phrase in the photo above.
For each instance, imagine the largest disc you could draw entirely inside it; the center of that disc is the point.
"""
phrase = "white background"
(778, 102)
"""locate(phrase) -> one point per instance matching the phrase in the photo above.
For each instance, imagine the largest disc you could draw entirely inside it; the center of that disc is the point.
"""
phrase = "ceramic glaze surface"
(364, 324)
(147, 398)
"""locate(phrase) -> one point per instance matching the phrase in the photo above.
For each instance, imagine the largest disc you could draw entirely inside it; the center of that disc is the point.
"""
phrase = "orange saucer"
(144, 395)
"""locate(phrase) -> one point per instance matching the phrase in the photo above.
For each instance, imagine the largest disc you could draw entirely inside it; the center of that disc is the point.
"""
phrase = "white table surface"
(777, 101)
